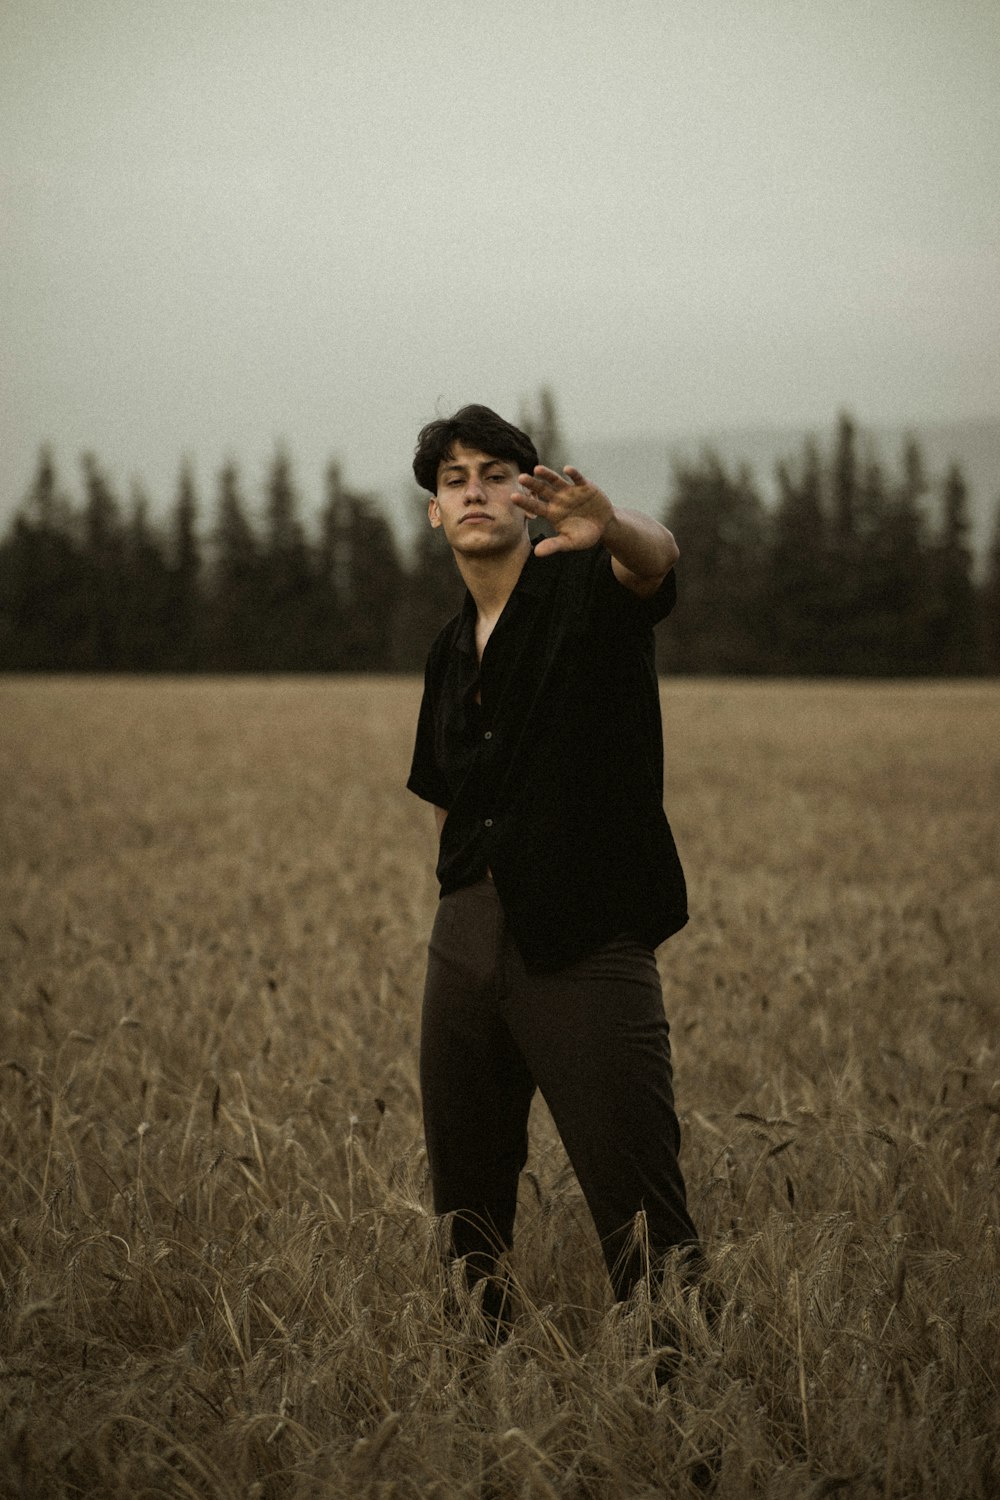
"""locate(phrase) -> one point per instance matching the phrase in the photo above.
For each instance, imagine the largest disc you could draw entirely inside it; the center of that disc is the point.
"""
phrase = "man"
(539, 744)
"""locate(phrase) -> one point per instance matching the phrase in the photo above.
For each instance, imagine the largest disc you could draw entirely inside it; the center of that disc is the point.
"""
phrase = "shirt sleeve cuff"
(429, 791)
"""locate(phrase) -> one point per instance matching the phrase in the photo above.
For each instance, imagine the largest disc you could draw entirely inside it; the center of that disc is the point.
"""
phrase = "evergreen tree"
(140, 534)
(145, 600)
(377, 586)
(877, 578)
(186, 553)
(722, 574)
(45, 508)
(284, 574)
(867, 639)
(99, 644)
(42, 583)
(235, 584)
(843, 593)
(849, 570)
(844, 485)
(285, 540)
(541, 423)
(913, 485)
(954, 625)
(904, 578)
(991, 600)
(364, 578)
(183, 627)
(433, 593)
(335, 572)
(337, 540)
(797, 602)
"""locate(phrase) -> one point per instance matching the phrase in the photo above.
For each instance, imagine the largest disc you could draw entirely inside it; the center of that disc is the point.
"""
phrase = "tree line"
(853, 570)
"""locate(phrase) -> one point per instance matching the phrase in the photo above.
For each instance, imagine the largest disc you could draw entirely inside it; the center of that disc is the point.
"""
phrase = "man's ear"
(433, 511)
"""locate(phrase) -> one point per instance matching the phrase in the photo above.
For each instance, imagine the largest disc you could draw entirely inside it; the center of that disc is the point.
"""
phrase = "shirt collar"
(532, 580)
(531, 583)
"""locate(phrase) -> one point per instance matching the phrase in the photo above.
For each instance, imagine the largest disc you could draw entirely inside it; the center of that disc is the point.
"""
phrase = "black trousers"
(593, 1037)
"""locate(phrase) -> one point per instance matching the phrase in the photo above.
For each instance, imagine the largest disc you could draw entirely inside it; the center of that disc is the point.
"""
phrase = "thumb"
(551, 544)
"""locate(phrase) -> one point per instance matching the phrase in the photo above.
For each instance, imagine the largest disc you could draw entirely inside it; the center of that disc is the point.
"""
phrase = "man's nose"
(474, 491)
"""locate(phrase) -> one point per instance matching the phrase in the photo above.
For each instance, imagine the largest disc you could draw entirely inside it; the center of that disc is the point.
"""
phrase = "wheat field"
(219, 1275)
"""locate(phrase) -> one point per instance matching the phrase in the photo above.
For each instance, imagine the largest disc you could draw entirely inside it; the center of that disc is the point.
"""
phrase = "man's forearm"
(641, 549)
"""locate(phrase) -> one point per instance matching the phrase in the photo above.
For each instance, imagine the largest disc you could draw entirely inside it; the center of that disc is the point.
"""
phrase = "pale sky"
(226, 224)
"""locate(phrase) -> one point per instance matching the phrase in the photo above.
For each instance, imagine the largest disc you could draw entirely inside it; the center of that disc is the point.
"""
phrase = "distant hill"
(638, 470)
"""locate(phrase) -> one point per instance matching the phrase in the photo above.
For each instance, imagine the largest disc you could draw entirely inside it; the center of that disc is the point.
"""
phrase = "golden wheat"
(218, 1270)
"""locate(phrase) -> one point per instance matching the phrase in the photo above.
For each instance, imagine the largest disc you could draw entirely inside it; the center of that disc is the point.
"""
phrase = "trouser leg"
(476, 1088)
(596, 1040)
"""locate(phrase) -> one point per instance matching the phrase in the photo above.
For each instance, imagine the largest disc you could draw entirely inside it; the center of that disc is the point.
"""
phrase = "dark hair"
(473, 427)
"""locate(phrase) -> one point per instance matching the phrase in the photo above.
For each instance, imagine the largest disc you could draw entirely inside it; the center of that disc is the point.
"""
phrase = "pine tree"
(377, 585)
(183, 625)
(364, 578)
(843, 594)
(844, 485)
(98, 644)
(991, 600)
(44, 506)
(337, 540)
(433, 593)
(101, 512)
(335, 572)
(236, 550)
(42, 578)
(284, 574)
(797, 602)
(954, 626)
(905, 580)
(145, 604)
(235, 582)
(720, 524)
(867, 639)
(541, 423)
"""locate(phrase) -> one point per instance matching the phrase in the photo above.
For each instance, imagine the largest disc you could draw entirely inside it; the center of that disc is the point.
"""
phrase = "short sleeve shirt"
(553, 780)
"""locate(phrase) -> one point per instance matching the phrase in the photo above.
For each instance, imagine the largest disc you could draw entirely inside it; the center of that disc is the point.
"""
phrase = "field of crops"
(219, 1275)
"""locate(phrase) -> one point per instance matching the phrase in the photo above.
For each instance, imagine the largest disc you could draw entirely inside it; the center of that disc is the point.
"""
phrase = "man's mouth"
(475, 515)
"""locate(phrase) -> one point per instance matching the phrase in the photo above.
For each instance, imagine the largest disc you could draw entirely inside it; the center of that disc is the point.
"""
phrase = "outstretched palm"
(577, 510)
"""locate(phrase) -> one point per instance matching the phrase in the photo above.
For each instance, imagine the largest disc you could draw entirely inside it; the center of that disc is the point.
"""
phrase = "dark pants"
(593, 1037)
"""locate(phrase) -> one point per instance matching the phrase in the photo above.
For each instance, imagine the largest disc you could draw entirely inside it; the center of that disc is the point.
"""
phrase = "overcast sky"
(228, 223)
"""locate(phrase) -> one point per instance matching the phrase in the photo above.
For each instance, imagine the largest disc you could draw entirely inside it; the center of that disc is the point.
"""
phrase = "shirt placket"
(486, 731)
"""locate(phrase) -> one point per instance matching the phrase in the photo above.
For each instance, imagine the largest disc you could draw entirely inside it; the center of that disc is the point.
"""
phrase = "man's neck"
(491, 580)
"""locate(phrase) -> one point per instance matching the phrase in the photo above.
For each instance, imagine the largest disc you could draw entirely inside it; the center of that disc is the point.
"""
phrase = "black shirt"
(555, 780)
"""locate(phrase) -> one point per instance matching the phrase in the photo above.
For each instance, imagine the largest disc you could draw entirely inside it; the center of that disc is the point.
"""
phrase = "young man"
(539, 745)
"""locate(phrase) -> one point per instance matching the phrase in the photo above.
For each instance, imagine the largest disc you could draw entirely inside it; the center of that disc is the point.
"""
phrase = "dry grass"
(218, 1272)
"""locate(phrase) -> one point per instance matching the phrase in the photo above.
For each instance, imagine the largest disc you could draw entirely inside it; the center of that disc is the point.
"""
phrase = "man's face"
(474, 503)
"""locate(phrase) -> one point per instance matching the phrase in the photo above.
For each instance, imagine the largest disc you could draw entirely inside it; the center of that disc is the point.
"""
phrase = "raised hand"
(577, 511)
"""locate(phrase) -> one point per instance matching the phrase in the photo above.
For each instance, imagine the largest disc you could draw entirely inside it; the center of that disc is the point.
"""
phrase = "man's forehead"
(460, 457)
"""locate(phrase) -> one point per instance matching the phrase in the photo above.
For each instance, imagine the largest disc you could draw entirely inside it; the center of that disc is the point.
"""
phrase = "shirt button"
(488, 735)
(487, 822)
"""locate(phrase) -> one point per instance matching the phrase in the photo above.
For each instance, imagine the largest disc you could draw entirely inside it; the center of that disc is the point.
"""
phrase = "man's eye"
(497, 478)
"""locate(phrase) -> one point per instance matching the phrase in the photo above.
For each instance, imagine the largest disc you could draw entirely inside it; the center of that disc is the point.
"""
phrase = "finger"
(535, 487)
(529, 482)
(551, 544)
(531, 504)
(549, 476)
(574, 474)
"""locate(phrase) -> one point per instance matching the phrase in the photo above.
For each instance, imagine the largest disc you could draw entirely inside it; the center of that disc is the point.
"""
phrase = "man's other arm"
(642, 551)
